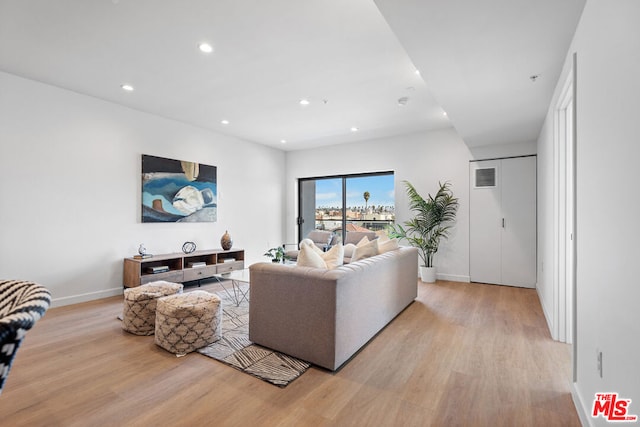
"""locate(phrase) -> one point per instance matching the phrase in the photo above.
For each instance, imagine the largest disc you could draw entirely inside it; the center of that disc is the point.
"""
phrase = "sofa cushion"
(311, 256)
(382, 235)
(334, 257)
(308, 257)
(388, 245)
(348, 250)
(312, 245)
(366, 250)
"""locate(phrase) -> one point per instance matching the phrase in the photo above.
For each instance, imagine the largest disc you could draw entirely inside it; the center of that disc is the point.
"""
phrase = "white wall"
(422, 159)
(607, 42)
(70, 185)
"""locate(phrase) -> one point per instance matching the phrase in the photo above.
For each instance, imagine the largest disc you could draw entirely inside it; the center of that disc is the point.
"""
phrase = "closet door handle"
(502, 222)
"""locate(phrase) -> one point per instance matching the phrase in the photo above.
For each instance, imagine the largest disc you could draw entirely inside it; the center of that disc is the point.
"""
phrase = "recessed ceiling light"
(418, 72)
(444, 113)
(224, 121)
(283, 141)
(354, 129)
(205, 47)
(127, 87)
(304, 102)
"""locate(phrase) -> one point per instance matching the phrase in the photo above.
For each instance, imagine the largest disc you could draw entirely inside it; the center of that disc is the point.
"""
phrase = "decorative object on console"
(225, 241)
(178, 191)
(432, 221)
(142, 252)
(158, 269)
(188, 247)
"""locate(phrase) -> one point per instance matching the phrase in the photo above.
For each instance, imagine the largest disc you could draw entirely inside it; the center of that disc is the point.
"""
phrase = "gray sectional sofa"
(325, 316)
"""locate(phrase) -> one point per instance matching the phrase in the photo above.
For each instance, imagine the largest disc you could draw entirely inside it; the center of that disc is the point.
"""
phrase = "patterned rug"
(235, 349)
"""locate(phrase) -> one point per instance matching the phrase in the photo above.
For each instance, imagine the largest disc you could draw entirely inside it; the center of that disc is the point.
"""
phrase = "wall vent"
(485, 177)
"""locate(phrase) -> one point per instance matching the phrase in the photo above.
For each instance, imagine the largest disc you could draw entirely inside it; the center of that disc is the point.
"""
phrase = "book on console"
(158, 269)
(197, 264)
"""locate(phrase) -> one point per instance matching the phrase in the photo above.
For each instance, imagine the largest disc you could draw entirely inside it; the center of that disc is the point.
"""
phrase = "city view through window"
(366, 203)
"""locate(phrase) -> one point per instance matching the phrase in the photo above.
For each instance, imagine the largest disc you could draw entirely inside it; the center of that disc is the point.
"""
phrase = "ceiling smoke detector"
(534, 77)
(403, 101)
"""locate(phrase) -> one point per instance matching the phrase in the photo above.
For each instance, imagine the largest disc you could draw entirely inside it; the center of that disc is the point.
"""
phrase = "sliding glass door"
(362, 202)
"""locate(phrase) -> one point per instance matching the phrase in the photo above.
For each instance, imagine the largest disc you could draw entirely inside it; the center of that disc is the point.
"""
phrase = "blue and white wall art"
(178, 191)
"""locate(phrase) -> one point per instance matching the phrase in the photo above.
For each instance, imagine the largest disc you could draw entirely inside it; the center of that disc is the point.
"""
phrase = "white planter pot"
(428, 274)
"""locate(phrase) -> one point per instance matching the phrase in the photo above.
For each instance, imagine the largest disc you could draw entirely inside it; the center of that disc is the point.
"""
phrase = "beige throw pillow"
(383, 236)
(334, 257)
(388, 245)
(348, 250)
(365, 251)
(311, 256)
(309, 242)
(308, 257)
(363, 241)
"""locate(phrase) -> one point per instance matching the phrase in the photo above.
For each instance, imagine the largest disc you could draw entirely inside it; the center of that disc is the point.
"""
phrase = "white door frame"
(564, 213)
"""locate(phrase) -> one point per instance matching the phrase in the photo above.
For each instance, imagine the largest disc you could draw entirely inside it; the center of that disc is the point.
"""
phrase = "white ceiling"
(476, 57)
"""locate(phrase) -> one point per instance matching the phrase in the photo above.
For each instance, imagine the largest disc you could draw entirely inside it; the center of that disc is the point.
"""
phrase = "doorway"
(564, 213)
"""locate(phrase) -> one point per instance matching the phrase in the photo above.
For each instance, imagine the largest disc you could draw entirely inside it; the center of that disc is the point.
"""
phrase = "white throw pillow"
(348, 250)
(309, 242)
(365, 251)
(334, 257)
(382, 236)
(308, 257)
(388, 245)
(363, 241)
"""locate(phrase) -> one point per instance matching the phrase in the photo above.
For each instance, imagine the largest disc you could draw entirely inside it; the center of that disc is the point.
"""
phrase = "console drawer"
(225, 267)
(198, 273)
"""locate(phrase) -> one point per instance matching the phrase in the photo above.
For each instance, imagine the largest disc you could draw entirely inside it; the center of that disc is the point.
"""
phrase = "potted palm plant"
(276, 254)
(432, 221)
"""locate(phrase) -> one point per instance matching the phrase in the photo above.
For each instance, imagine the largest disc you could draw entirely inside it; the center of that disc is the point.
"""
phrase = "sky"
(380, 188)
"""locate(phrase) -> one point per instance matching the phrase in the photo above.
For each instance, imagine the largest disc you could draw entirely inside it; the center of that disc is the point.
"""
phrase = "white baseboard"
(90, 296)
(453, 277)
(585, 419)
(547, 316)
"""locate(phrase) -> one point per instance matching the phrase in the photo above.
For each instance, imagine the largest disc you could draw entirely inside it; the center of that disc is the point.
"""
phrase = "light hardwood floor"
(461, 354)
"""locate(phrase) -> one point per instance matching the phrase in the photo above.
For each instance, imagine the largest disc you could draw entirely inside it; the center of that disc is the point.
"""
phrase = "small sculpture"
(226, 241)
(142, 250)
(188, 247)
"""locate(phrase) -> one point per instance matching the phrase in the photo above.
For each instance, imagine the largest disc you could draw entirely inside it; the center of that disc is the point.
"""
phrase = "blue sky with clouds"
(380, 188)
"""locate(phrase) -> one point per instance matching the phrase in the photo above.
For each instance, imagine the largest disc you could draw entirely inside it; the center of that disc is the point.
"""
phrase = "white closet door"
(485, 222)
(519, 212)
(502, 228)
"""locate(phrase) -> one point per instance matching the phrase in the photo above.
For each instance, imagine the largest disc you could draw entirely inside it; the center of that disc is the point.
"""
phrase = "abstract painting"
(178, 191)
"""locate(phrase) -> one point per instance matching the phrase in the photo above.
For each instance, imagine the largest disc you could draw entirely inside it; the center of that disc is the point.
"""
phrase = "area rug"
(235, 349)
